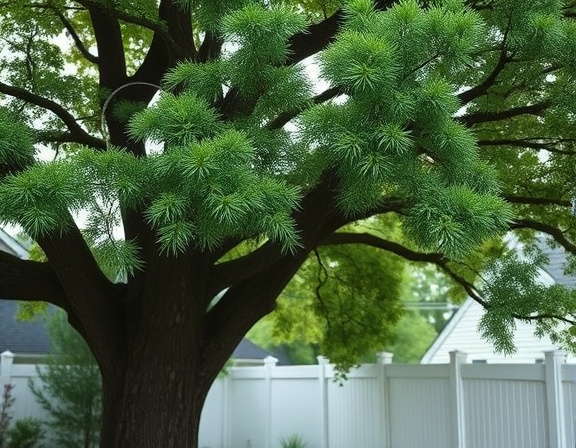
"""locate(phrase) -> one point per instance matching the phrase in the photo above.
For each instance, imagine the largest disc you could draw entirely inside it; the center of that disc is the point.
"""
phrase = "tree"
(70, 389)
(415, 88)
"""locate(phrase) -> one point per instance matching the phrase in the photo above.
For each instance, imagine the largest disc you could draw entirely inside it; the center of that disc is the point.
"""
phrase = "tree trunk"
(159, 400)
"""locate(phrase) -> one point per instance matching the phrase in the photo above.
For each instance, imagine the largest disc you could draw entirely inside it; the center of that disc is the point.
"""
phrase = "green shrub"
(293, 441)
(26, 433)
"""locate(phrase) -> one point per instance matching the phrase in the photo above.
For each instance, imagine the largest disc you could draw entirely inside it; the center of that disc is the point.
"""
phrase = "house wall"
(462, 334)
(455, 405)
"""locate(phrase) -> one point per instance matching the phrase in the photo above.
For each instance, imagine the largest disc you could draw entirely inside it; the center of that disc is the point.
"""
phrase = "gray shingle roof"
(557, 265)
(21, 337)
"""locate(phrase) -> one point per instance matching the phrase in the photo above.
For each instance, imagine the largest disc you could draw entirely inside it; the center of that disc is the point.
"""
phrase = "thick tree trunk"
(159, 400)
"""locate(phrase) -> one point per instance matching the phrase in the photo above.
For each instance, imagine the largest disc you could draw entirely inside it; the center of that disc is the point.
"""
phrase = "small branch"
(77, 41)
(538, 144)
(482, 88)
(285, 117)
(554, 232)
(537, 201)
(78, 133)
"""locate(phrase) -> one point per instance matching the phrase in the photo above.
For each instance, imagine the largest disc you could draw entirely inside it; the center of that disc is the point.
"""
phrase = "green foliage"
(343, 305)
(25, 433)
(6, 403)
(293, 441)
(514, 290)
(70, 387)
(16, 144)
(227, 170)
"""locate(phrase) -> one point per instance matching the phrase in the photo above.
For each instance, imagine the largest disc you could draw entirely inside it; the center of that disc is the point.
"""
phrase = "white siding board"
(464, 336)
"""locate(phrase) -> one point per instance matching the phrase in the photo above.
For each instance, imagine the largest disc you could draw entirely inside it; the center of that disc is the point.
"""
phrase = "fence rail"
(381, 405)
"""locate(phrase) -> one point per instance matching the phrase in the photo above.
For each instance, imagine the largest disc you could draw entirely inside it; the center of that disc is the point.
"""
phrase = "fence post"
(269, 363)
(384, 359)
(227, 411)
(457, 358)
(6, 360)
(324, 436)
(555, 398)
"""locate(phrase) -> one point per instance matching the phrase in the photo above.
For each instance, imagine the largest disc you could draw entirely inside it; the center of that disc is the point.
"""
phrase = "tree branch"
(285, 117)
(528, 200)
(535, 143)
(483, 117)
(435, 258)
(481, 89)
(77, 133)
(94, 304)
(29, 281)
(67, 137)
(554, 232)
(77, 41)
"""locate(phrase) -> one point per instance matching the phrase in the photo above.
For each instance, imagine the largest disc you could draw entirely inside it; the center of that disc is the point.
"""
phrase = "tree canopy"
(439, 126)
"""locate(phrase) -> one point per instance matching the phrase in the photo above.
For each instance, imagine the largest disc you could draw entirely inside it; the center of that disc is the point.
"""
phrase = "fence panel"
(353, 417)
(505, 414)
(420, 412)
(295, 410)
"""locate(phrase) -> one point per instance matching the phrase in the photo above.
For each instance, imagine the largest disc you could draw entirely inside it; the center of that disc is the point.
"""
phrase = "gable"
(461, 333)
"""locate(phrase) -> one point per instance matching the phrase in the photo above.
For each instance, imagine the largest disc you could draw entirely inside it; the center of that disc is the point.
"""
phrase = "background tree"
(70, 388)
(425, 103)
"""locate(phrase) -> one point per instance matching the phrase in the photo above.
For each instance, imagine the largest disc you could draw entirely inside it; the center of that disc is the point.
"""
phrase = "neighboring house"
(11, 246)
(461, 332)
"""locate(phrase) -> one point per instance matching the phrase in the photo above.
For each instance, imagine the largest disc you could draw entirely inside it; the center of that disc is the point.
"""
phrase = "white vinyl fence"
(381, 405)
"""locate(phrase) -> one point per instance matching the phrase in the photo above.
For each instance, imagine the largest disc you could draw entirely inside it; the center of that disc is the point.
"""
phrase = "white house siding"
(462, 334)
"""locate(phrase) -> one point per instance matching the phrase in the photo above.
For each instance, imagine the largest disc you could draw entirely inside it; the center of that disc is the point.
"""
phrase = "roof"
(21, 337)
(461, 331)
(248, 350)
(11, 246)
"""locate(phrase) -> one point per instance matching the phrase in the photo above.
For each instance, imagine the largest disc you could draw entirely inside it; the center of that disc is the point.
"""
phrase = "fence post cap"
(555, 354)
(270, 361)
(458, 356)
(384, 357)
(7, 354)
(322, 360)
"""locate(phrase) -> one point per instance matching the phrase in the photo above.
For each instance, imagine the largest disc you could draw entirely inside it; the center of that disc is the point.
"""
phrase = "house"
(29, 341)
(461, 332)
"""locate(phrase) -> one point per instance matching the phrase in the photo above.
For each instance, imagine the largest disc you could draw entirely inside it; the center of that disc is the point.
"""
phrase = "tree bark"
(156, 398)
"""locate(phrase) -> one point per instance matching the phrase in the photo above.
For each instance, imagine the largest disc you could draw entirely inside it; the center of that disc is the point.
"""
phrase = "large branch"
(95, 305)
(153, 25)
(111, 56)
(171, 43)
(435, 258)
(77, 133)
(29, 281)
(484, 117)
